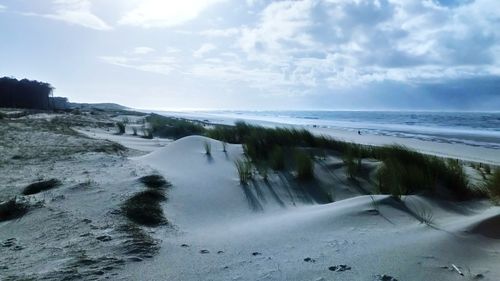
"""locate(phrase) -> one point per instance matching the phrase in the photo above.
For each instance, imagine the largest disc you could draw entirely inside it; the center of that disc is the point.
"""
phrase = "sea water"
(471, 128)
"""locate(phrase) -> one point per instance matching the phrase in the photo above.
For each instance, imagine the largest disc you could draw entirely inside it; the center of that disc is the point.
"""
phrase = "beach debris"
(256, 254)
(339, 268)
(204, 251)
(457, 269)
(385, 277)
(308, 259)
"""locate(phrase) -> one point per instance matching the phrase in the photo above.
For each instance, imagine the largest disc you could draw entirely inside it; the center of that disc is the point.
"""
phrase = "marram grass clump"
(304, 166)
(405, 171)
(144, 208)
(155, 181)
(352, 164)
(277, 158)
(492, 185)
(208, 148)
(244, 169)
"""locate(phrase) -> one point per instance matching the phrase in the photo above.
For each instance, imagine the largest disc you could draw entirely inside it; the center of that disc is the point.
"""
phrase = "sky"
(257, 54)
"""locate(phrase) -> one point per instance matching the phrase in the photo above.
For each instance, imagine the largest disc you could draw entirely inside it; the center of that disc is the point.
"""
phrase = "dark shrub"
(12, 210)
(40, 186)
(121, 128)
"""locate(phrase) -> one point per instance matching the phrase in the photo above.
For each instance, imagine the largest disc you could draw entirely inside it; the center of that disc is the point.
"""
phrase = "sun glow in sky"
(258, 54)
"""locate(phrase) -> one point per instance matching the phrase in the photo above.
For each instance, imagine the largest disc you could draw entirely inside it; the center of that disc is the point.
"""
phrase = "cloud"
(77, 12)
(204, 49)
(3, 7)
(142, 50)
(338, 43)
(161, 13)
(228, 32)
(158, 65)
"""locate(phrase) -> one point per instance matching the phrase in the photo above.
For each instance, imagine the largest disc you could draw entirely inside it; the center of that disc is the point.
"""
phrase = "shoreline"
(466, 152)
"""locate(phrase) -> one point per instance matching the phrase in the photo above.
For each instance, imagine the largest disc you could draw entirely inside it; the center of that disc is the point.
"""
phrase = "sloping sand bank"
(221, 230)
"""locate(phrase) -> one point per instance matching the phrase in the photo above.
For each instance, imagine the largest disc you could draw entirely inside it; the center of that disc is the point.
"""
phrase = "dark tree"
(25, 93)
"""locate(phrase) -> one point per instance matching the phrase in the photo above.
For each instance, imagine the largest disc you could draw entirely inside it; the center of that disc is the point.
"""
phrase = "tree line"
(25, 93)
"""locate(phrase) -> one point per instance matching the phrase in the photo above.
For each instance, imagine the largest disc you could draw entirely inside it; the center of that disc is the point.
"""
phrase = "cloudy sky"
(257, 54)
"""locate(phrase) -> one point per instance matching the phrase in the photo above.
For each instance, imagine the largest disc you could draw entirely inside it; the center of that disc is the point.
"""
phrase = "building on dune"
(25, 93)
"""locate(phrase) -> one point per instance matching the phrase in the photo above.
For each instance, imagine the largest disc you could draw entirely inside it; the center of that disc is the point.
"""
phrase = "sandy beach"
(217, 229)
(439, 148)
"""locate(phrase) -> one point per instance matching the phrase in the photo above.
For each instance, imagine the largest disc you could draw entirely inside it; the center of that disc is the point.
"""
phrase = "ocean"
(470, 128)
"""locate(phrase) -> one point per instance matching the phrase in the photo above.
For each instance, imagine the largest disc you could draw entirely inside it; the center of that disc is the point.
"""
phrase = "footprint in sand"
(204, 251)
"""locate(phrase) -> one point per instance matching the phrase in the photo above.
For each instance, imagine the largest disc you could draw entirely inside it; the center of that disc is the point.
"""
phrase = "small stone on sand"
(339, 268)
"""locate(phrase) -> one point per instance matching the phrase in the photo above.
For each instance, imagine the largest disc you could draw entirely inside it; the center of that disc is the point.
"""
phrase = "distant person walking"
(359, 132)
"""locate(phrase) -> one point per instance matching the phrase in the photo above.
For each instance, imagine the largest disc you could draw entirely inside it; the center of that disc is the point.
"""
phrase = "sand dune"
(225, 237)
(279, 229)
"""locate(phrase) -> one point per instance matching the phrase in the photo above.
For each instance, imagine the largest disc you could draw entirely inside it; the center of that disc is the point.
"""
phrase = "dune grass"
(144, 208)
(304, 166)
(487, 169)
(277, 158)
(263, 172)
(175, 128)
(12, 209)
(40, 186)
(138, 242)
(155, 181)
(352, 165)
(405, 171)
(244, 169)
(492, 184)
(422, 212)
(208, 148)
